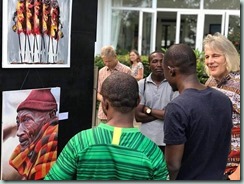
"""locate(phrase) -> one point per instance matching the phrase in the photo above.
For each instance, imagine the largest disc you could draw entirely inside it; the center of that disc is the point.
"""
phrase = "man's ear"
(105, 104)
(171, 71)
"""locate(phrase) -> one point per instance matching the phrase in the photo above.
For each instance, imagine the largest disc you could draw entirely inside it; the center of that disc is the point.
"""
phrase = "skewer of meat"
(19, 17)
(37, 24)
(55, 32)
(37, 17)
(46, 16)
(29, 21)
(45, 25)
(20, 24)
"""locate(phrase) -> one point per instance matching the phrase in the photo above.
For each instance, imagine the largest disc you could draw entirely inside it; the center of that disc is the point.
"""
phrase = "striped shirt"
(109, 153)
(103, 74)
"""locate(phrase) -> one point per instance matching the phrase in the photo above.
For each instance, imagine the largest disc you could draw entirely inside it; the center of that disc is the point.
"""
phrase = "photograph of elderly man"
(33, 131)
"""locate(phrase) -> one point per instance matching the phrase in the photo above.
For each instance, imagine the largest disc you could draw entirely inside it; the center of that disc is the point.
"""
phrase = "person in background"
(155, 93)
(137, 67)
(222, 63)
(37, 130)
(115, 150)
(197, 123)
(112, 64)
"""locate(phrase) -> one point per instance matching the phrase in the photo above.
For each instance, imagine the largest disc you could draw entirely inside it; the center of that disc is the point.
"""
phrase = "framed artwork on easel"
(36, 33)
(30, 124)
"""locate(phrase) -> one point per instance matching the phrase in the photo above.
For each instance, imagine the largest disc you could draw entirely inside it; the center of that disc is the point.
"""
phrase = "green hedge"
(202, 76)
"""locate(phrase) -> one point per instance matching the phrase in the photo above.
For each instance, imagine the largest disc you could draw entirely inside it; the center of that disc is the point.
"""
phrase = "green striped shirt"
(109, 153)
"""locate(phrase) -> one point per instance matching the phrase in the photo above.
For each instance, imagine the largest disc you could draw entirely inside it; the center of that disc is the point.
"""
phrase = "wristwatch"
(148, 111)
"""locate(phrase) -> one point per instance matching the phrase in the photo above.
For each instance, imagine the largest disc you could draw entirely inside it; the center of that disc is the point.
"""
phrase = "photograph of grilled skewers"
(36, 33)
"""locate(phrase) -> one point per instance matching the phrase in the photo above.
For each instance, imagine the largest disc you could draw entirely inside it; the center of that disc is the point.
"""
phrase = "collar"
(223, 81)
(149, 79)
(116, 68)
(111, 128)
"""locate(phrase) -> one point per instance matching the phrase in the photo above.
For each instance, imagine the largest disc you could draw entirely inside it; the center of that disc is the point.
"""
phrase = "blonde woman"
(222, 64)
(136, 65)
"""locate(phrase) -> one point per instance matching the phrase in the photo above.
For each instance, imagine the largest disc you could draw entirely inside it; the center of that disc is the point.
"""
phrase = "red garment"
(35, 162)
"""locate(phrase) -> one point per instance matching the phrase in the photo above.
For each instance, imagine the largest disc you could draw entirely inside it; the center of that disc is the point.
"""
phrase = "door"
(147, 27)
(186, 28)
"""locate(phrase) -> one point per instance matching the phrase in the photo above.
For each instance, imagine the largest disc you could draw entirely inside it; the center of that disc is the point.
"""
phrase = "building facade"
(148, 25)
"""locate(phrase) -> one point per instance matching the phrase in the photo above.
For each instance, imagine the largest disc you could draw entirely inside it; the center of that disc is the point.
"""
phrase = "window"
(188, 30)
(133, 22)
(166, 29)
(124, 30)
(212, 24)
(132, 3)
(220, 4)
(178, 3)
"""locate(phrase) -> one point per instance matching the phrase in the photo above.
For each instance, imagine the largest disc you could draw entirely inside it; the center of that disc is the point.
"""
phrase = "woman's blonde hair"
(222, 44)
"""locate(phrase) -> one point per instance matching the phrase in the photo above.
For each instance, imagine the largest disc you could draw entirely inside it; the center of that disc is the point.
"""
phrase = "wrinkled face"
(156, 64)
(29, 123)
(133, 57)
(216, 63)
(110, 62)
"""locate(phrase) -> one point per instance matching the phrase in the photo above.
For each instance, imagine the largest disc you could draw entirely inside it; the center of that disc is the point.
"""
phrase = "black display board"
(76, 82)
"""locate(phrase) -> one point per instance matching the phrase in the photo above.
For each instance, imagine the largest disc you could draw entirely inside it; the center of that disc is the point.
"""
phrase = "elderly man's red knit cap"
(41, 100)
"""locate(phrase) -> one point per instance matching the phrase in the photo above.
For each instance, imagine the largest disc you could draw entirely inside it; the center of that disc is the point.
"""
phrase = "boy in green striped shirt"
(115, 150)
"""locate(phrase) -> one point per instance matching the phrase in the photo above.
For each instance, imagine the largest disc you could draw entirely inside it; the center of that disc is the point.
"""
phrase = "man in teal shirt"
(115, 150)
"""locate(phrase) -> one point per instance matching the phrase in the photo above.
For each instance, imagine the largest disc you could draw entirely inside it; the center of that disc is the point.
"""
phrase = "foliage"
(202, 76)
(235, 38)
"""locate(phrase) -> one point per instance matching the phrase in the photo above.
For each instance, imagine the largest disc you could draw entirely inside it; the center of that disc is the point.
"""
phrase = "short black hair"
(156, 51)
(181, 56)
(121, 90)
